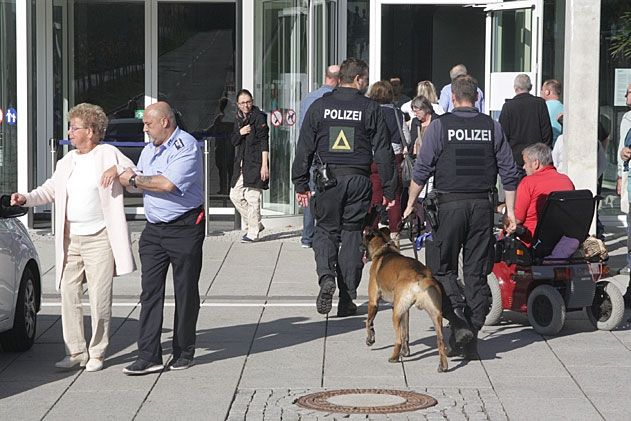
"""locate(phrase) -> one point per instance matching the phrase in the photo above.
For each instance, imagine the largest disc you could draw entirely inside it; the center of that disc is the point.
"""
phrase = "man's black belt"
(339, 170)
(453, 197)
(186, 214)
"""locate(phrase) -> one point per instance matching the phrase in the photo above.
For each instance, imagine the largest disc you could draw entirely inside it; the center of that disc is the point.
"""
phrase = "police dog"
(404, 282)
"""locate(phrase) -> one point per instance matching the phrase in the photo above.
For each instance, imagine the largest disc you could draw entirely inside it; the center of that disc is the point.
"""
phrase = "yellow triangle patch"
(341, 142)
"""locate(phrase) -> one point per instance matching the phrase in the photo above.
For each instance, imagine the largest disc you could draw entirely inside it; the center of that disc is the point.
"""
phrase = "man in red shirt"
(533, 190)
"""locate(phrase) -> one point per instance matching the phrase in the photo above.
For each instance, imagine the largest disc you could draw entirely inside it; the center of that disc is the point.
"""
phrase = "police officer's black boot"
(470, 350)
(451, 349)
(324, 302)
(345, 307)
(461, 328)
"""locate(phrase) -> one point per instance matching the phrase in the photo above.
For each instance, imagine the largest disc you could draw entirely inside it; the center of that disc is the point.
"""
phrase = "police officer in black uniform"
(345, 131)
(465, 150)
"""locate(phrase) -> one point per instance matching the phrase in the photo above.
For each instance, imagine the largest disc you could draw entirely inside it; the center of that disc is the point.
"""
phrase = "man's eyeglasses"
(245, 102)
(74, 129)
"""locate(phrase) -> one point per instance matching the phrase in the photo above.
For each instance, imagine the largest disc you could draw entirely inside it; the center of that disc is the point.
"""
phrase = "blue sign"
(11, 117)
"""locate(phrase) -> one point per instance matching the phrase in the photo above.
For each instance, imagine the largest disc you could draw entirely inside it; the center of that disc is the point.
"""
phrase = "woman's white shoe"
(95, 364)
(71, 361)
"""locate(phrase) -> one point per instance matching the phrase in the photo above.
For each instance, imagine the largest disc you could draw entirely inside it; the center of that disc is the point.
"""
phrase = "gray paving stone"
(76, 403)
(30, 400)
(519, 408)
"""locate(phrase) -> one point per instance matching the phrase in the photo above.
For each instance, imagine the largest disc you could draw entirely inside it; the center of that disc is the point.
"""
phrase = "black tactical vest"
(467, 163)
(342, 137)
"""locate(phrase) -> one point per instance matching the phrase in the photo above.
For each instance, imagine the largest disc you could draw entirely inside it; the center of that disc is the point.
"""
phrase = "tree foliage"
(621, 39)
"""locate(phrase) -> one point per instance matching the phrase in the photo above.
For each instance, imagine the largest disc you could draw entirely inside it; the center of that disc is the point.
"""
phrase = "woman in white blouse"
(91, 236)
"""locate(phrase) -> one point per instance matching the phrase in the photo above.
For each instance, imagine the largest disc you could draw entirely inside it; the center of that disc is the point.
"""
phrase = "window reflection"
(196, 75)
(109, 69)
(109, 55)
(512, 38)
(358, 29)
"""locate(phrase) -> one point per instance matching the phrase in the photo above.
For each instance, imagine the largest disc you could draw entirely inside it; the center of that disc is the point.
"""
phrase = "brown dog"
(404, 282)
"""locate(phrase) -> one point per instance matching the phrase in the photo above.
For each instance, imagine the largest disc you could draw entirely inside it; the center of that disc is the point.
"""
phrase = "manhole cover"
(366, 401)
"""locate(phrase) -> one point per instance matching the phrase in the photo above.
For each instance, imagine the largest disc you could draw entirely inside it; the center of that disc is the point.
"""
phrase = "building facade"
(126, 54)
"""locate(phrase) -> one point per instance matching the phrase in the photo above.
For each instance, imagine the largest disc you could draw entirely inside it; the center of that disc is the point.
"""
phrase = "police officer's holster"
(340, 212)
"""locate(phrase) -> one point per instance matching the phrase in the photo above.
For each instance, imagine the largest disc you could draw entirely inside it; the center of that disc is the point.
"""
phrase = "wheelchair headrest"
(565, 213)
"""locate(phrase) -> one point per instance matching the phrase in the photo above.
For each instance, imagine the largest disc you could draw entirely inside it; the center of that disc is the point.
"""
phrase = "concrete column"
(582, 50)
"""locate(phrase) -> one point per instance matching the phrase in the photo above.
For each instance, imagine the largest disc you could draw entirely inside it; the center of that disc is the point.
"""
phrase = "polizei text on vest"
(353, 115)
(482, 135)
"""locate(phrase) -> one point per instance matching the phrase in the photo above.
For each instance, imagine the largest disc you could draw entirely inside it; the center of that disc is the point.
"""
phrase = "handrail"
(124, 144)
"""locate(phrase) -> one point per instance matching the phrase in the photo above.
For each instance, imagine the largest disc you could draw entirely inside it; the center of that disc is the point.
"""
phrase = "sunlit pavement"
(261, 344)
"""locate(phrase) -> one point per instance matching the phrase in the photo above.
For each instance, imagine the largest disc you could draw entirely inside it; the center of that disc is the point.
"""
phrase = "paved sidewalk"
(261, 345)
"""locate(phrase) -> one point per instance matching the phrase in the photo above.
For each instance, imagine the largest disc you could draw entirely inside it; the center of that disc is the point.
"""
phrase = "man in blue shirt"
(331, 80)
(170, 176)
(551, 92)
(445, 93)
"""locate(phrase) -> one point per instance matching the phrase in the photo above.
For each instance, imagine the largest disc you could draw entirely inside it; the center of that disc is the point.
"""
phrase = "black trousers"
(179, 244)
(466, 225)
(340, 212)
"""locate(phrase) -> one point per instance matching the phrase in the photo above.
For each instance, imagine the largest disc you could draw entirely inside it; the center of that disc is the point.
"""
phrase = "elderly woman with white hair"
(91, 236)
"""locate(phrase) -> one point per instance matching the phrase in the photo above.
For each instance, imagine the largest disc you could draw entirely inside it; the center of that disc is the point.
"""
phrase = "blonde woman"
(92, 240)
(426, 89)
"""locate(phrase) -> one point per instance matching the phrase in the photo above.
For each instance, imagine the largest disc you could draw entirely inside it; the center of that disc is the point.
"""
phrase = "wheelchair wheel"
(607, 309)
(495, 314)
(546, 310)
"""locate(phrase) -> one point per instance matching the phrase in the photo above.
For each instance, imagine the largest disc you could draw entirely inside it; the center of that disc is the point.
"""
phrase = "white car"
(20, 282)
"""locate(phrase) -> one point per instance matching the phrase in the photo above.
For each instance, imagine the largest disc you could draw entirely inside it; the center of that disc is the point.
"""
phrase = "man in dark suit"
(525, 120)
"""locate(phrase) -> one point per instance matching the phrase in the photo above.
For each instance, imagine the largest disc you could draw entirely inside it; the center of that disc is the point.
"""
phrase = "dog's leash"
(412, 233)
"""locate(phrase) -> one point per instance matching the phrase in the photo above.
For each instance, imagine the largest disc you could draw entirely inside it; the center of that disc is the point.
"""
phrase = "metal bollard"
(206, 187)
(53, 152)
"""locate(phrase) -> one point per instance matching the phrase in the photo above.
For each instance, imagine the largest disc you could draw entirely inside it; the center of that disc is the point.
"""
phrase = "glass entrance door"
(97, 55)
(126, 54)
(281, 78)
(196, 60)
(512, 47)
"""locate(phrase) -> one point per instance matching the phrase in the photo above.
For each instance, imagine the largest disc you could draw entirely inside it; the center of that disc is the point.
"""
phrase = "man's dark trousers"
(178, 243)
(340, 212)
(463, 224)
